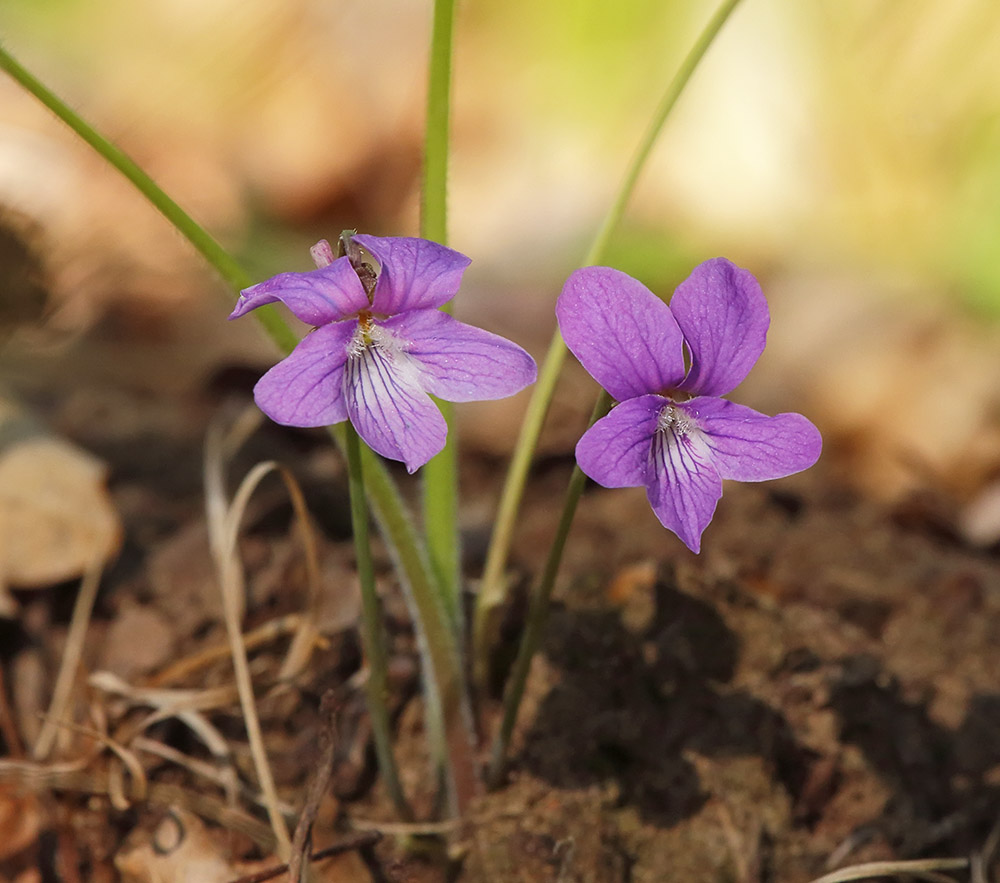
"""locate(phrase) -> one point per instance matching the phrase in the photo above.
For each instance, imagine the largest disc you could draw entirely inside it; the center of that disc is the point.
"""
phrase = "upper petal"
(317, 297)
(749, 446)
(724, 317)
(621, 332)
(415, 273)
(614, 452)
(458, 362)
(390, 411)
(683, 486)
(306, 388)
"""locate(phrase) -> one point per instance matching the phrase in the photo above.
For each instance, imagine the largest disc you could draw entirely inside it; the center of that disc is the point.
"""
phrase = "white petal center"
(673, 421)
(377, 359)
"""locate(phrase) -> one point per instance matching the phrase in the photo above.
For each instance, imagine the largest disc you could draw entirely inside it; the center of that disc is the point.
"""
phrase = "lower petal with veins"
(390, 411)
(683, 486)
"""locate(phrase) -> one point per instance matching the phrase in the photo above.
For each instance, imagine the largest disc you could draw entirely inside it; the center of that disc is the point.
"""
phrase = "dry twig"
(924, 869)
(223, 527)
(73, 777)
(317, 787)
(82, 610)
(357, 841)
(263, 634)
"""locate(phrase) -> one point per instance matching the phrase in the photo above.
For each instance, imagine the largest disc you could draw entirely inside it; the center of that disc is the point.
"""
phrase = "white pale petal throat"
(377, 362)
(683, 484)
(673, 420)
(385, 396)
(678, 446)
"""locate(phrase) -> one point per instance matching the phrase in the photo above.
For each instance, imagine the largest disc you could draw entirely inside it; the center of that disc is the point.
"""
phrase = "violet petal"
(460, 363)
(614, 452)
(724, 317)
(306, 388)
(683, 486)
(317, 297)
(415, 273)
(749, 446)
(621, 332)
(387, 406)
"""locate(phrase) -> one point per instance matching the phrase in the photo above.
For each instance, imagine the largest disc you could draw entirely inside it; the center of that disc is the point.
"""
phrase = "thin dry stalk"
(223, 523)
(263, 634)
(225, 777)
(38, 775)
(82, 610)
(198, 724)
(924, 869)
(983, 858)
(184, 705)
(128, 759)
(194, 765)
(73, 777)
(348, 844)
(409, 829)
(235, 515)
(167, 700)
(317, 787)
(305, 638)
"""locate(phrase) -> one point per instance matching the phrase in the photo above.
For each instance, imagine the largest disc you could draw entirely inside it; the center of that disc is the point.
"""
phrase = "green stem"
(492, 591)
(538, 614)
(434, 206)
(224, 263)
(448, 719)
(440, 475)
(447, 711)
(372, 634)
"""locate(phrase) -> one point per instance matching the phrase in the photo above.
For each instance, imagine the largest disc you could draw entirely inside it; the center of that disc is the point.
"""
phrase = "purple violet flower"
(670, 431)
(381, 344)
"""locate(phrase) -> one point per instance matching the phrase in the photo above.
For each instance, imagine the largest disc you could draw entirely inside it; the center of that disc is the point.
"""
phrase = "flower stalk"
(217, 257)
(493, 591)
(440, 475)
(372, 632)
(538, 615)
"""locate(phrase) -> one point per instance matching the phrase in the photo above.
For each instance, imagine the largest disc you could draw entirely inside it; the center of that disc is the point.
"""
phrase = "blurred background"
(847, 152)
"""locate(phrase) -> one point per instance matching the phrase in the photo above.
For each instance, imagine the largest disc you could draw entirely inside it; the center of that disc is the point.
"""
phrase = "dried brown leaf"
(56, 518)
(179, 849)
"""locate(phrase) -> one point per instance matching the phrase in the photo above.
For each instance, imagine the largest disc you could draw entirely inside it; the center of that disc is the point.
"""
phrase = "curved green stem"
(440, 475)
(538, 614)
(448, 719)
(224, 263)
(448, 725)
(372, 633)
(493, 589)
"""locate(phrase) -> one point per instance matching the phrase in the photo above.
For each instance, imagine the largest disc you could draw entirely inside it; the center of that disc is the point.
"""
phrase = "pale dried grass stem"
(269, 631)
(923, 869)
(223, 524)
(68, 666)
